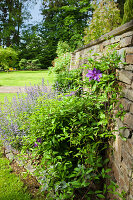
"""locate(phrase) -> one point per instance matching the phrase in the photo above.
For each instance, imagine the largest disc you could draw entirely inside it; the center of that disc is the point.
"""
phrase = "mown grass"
(22, 78)
(11, 187)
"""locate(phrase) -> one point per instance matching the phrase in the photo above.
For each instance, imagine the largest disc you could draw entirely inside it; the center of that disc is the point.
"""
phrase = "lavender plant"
(14, 115)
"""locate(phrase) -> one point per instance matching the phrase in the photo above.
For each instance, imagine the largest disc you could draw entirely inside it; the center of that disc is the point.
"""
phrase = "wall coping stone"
(121, 29)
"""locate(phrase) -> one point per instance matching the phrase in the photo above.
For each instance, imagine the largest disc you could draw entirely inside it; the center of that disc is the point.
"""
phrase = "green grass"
(8, 95)
(11, 187)
(22, 78)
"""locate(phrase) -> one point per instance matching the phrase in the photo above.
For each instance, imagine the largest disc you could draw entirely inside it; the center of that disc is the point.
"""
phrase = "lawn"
(11, 187)
(22, 78)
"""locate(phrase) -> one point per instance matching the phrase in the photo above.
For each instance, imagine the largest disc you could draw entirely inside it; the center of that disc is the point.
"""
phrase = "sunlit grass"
(22, 78)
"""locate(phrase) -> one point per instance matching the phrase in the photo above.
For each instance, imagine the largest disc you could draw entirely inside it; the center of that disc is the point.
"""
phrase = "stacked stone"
(121, 161)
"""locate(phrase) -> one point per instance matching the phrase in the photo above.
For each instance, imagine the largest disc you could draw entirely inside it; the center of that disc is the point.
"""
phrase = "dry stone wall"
(121, 160)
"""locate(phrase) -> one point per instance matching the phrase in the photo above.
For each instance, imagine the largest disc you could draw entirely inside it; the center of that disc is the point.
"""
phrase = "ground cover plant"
(67, 134)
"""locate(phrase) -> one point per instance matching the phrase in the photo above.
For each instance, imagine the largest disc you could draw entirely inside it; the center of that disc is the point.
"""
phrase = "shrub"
(23, 64)
(29, 64)
(8, 58)
(62, 62)
(68, 80)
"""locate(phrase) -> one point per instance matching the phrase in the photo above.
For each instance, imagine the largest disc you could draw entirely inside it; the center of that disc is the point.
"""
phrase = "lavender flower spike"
(94, 74)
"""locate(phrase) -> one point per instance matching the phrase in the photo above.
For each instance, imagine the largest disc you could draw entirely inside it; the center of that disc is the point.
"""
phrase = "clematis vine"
(94, 74)
(39, 140)
(35, 144)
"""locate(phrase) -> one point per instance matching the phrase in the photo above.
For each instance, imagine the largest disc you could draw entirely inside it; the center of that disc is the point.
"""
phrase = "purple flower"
(35, 145)
(39, 140)
(71, 94)
(94, 74)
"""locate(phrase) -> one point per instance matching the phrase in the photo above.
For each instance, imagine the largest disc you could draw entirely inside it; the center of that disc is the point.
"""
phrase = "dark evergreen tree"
(121, 7)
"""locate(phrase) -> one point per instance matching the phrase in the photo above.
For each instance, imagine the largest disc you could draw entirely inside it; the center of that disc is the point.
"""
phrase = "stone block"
(126, 133)
(131, 108)
(116, 172)
(129, 50)
(123, 185)
(129, 147)
(125, 76)
(127, 158)
(126, 104)
(129, 58)
(129, 67)
(124, 42)
(115, 39)
(128, 120)
(128, 93)
(129, 33)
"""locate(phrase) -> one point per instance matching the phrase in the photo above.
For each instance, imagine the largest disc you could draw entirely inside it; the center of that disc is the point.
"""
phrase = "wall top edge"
(118, 31)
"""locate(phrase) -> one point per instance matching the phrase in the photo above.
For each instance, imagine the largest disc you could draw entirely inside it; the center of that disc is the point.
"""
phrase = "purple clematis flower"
(39, 140)
(94, 74)
(35, 145)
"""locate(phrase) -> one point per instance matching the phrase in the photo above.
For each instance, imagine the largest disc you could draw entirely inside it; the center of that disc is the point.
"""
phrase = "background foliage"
(8, 58)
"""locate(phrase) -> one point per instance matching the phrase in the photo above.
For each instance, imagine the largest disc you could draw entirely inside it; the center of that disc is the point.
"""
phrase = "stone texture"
(129, 59)
(128, 120)
(129, 67)
(131, 108)
(129, 50)
(126, 104)
(126, 133)
(126, 41)
(128, 93)
(125, 76)
(129, 33)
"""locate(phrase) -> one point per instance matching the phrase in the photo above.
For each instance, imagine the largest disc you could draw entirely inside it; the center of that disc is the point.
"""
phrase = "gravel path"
(11, 89)
(14, 89)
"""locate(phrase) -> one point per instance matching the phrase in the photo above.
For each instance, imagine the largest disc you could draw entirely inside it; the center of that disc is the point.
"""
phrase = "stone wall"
(121, 160)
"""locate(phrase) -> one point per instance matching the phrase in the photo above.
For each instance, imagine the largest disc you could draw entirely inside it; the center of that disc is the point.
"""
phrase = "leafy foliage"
(128, 11)
(68, 80)
(29, 64)
(106, 17)
(8, 58)
(68, 135)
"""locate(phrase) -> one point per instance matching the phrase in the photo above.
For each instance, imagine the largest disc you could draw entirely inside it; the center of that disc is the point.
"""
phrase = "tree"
(106, 17)
(128, 11)
(64, 20)
(121, 7)
(12, 15)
